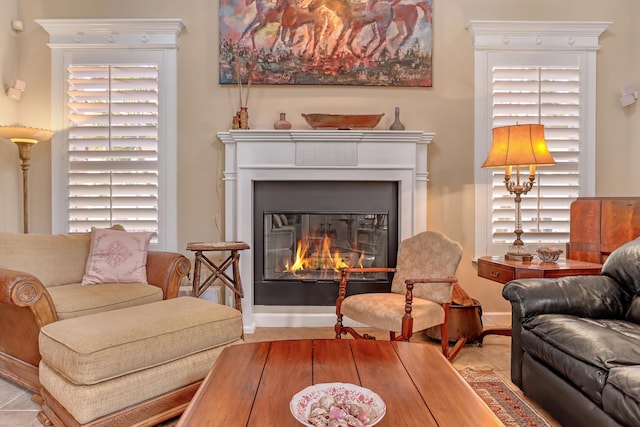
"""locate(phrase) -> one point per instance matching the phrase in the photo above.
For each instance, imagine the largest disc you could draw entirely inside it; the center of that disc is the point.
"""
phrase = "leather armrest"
(584, 296)
(21, 289)
(166, 270)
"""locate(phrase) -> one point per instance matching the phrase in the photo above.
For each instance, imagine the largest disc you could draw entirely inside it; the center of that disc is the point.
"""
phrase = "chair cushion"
(582, 350)
(621, 394)
(388, 311)
(75, 300)
(99, 347)
(116, 257)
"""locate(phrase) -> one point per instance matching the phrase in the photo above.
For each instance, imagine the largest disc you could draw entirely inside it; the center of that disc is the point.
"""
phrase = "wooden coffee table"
(252, 384)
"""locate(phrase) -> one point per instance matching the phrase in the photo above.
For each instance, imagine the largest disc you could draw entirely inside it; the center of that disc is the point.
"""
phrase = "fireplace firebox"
(305, 232)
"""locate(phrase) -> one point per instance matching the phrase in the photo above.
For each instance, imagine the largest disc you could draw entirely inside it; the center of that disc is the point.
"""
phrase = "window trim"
(502, 37)
(69, 36)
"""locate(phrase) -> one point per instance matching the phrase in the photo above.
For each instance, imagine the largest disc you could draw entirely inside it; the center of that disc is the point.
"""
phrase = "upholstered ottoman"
(133, 365)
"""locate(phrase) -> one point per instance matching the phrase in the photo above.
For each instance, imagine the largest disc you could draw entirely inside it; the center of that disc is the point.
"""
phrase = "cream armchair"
(40, 277)
(420, 295)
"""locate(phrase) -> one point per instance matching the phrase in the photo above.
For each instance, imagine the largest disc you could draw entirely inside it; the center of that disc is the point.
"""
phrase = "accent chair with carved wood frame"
(420, 296)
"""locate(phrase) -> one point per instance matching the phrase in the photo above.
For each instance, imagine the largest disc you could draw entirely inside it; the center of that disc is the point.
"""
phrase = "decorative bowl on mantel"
(342, 121)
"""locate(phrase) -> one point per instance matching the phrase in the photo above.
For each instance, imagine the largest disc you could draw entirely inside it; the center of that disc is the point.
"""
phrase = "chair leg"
(450, 354)
(456, 349)
(444, 332)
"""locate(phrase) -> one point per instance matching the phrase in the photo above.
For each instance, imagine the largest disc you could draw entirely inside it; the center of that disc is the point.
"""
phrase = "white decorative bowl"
(549, 254)
(342, 394)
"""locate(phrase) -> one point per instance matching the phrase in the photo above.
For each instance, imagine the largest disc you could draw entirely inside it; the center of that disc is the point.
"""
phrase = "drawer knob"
(494, 273)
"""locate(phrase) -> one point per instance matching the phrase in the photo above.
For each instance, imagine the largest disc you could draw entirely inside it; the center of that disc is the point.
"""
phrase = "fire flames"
(320, 254)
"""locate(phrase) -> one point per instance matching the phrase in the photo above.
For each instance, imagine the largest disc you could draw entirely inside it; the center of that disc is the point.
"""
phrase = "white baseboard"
(496, 318)
(306, 320)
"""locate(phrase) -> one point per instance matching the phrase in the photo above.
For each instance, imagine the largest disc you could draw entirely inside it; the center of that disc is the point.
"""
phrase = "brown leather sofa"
(40, 283)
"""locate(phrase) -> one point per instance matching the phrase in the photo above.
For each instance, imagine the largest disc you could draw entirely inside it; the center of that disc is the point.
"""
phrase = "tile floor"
(18, 410)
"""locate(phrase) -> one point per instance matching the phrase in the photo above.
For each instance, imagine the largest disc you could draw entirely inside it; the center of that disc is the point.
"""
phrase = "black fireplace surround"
(360, 219)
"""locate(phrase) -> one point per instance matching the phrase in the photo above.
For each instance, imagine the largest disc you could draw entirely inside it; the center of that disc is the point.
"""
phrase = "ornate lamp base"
(518, 253)
(518, 257)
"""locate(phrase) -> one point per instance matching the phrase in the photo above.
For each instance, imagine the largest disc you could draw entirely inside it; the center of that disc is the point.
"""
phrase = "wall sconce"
(25, 138)
(629, 95)
(15, 92)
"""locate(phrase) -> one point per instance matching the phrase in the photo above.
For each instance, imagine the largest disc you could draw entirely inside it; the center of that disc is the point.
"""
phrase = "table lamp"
(518, 146)
(25, 137)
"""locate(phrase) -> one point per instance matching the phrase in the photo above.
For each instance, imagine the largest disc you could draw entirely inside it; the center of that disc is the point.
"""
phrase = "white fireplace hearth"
(317, 155)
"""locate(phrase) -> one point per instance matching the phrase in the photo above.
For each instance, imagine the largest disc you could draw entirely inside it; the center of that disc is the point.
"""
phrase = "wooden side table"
(219, 271)
(500, 270)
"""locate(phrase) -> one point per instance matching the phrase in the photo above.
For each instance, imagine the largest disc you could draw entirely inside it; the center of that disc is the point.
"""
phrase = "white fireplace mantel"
(317, 155)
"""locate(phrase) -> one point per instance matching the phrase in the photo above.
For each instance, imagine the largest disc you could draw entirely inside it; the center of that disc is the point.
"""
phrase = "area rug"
(510, 408)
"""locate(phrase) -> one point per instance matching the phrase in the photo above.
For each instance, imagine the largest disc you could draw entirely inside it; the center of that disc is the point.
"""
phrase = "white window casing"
(534, 72)
(113, 104)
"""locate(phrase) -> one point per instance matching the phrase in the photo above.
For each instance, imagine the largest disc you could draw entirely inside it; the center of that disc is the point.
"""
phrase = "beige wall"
(10, 175)
(205, 107)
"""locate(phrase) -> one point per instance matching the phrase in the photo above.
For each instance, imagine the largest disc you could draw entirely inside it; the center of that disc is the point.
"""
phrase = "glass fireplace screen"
(316, 246)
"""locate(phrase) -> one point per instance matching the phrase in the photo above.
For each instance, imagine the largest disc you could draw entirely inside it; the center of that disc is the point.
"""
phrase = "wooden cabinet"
(599, 225)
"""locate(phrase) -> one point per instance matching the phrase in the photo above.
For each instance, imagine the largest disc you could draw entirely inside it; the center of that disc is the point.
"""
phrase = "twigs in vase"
(241, 118)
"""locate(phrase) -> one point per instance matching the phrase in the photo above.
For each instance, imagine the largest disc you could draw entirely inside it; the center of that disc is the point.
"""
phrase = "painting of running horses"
(326, 42)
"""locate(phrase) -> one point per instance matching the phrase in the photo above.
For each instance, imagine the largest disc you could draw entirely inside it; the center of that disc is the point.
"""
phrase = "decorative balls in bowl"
(549, 254)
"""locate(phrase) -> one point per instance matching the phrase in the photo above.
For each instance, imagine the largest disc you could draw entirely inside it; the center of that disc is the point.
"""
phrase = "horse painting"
(345, 42)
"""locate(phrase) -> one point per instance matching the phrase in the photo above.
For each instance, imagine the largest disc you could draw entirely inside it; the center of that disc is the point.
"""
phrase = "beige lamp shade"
(518, 145)
(25, 134)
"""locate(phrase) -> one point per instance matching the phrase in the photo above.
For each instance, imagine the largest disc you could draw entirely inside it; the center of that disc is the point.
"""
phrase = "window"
(113, 98)
(534, 72)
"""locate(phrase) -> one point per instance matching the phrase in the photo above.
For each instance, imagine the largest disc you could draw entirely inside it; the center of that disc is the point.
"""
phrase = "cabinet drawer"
(495, 272)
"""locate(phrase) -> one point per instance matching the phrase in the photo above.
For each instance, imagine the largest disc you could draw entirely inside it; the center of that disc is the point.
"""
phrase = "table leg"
(236, 281)
(219, 273)
(493, 331)
(196, 275)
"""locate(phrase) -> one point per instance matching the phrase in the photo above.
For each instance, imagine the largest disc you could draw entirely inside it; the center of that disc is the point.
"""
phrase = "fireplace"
(306, 231)
(378, 161)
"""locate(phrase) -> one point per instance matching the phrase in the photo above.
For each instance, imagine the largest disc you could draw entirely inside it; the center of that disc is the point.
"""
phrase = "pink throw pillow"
(116, 257)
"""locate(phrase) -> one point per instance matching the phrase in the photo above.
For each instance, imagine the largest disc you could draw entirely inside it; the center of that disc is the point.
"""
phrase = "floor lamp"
(517, 146)
(25, 137)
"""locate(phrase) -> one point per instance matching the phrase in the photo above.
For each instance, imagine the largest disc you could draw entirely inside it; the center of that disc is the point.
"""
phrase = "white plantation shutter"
(113, 146)
(549, 96)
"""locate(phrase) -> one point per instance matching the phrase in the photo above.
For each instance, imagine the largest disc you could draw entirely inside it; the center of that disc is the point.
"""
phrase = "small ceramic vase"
(282, 123)
(397, 124)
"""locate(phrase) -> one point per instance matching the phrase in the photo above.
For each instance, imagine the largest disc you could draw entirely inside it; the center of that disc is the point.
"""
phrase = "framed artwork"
(326, 42)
